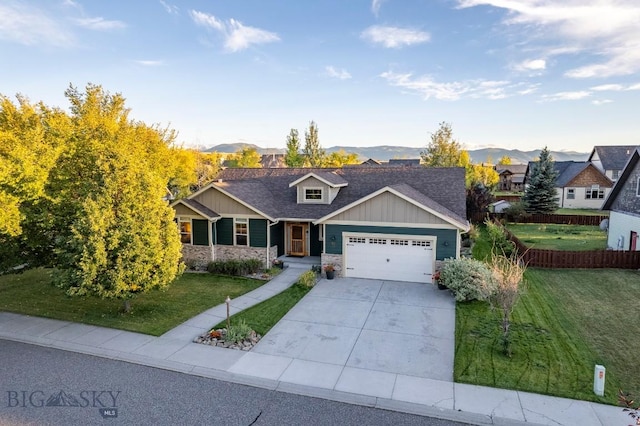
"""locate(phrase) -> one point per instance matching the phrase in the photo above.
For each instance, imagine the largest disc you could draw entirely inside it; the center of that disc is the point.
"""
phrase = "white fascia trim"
(206, 216)
(391, 224)
(308, 175)
(461, 226)
(249, 206)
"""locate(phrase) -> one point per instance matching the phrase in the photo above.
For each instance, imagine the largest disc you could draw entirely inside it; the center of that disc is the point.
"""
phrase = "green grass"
(560, 237)
(152, 313)
(264, 315)
(582, 212)
(566, 322)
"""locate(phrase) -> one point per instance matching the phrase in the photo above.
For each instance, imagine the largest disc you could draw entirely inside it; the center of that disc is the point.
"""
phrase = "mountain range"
(387, 152)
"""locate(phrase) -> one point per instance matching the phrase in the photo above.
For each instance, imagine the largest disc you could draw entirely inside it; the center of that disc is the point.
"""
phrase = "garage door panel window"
(399, 242)
(377, 241)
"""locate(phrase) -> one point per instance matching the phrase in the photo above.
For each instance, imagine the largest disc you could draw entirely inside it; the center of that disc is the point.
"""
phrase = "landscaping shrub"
(469, 279)
(516, 212)
(235, 267)
(238, 332)
(307, 280)
(500, 244)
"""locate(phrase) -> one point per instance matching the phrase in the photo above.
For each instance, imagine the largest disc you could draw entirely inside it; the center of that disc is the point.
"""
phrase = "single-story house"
(611, 159)
(499, 206)
(389, 222)
(624, 205)
(579, 184)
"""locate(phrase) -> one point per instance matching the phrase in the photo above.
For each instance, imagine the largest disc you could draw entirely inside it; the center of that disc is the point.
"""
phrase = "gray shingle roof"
(418, 196)
(567, 170)
(614, 157)
(268, 191)
(201, 208)
(513, 168)
(622, 181)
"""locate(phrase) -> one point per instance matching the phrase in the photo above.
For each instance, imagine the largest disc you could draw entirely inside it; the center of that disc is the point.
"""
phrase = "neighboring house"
(579, 185)
(511, 177)
(272, 160)
(404, 162)
(624, 205)
(611, 159)
(390, 223)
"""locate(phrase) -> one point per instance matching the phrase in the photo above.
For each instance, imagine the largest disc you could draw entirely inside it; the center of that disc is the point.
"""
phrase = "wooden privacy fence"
(575, 259)
(561, 219)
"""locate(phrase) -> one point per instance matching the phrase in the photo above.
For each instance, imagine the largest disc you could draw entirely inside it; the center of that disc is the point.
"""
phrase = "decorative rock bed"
(216, 338)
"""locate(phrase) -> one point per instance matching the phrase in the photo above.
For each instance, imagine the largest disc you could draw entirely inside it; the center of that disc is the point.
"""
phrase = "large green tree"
(293, 157)
(443, 150)
(100, 216)
(540, 195)
(340, 158)
(245, 157)
(313, 151)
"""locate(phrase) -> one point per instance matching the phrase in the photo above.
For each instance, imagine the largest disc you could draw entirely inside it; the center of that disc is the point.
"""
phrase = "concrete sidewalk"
(418, 395)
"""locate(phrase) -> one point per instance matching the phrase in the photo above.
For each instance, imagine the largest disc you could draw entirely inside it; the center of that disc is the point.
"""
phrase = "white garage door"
(396, 257)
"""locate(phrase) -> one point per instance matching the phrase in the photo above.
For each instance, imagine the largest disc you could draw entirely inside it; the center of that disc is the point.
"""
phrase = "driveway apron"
(359, 324)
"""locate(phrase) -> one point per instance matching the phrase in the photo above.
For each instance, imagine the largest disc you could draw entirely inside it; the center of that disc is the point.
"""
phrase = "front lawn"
(152, 313)
(559, 237)
(567, 321)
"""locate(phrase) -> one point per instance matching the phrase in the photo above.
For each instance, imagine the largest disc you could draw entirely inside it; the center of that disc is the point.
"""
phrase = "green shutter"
(200, 232)
(277, 237)
(225, 231)
(258, 232)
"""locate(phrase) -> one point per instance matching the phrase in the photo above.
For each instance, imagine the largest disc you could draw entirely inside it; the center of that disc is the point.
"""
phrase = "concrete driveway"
(391, 327)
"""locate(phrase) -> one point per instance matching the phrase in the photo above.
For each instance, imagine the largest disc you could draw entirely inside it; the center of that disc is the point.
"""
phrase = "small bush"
(469, 279)
(516, 212)
(307, 280)
(500, 244)
(235, 267)
(238, 332)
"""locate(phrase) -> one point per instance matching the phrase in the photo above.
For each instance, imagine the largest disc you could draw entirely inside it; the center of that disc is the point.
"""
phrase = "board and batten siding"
(222, 204)
(257, 232)
(447, 239)
(388, 208)
(312, 182)
(182, 210)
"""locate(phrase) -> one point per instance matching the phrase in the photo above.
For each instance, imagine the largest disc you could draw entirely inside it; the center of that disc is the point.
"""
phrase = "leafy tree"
(312, 150)
(340, 158)
(246, 157)
(443, 150)
(505, 160)
(478, 199)
(540, 196)
(293, 158)
(112, 233)
(481, 174)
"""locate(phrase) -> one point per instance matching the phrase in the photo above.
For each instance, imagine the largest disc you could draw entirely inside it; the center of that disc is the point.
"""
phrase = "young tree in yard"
(478, 199)
(507, 274)
(249, 158)
(540, 196)
(505, 160)
(312, 150)
(444, 150)
(293, 158)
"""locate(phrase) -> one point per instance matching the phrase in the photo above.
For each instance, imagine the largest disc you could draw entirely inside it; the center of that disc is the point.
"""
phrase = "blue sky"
(509, 73)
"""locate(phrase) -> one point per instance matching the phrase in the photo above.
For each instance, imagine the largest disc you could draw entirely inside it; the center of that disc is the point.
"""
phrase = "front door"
(633, 241)
(297, 239)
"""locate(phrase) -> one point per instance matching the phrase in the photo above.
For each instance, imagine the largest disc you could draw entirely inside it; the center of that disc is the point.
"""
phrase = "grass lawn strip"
(154, 313)
(567, 321)
(560, 237)
(266, 314)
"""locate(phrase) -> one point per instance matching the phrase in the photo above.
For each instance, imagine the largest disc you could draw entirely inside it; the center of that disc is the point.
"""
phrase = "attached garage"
(389, 257)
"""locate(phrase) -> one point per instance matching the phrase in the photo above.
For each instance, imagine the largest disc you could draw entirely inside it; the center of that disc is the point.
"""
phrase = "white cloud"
(28, 25)
(171, 9)
(607, 29)
(451, 91)
(601, 102)
(375, 6)
(394, 37)
(567, 96)
(608, 87)
(149, 63)
(531, 65)
(99, 24)
(236, 35)
(340, 74)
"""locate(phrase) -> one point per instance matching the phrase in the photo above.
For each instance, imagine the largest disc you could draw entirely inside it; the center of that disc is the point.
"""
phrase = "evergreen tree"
(313, 151)
(541, 196)
(293, 158)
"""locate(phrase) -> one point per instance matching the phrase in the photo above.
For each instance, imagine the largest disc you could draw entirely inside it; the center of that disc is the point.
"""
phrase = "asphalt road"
(44, 386)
